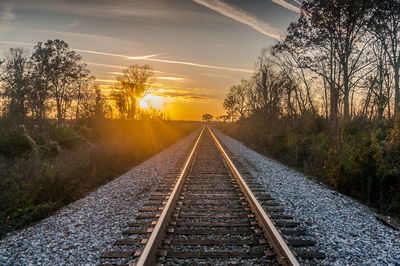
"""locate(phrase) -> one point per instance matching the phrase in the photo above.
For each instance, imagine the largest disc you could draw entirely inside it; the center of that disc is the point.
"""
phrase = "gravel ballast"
(345, 230)
(81, 231)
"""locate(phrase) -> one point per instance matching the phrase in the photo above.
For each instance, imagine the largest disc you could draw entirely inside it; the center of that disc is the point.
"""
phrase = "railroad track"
(208, 213)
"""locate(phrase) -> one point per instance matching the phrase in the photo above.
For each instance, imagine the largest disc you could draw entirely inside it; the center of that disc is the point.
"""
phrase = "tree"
(271, 86)
(16, 83)
(134, 83)
(59, 71)
(93, 103)
(386, 27)
(223, 118)
(236, 101)
(207, 117)
(332, 37)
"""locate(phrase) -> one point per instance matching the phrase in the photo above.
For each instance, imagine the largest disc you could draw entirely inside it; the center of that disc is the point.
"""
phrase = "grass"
(44, 168)
(362, 163)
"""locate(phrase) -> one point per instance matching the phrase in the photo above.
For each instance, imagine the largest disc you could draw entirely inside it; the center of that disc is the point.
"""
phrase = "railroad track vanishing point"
(206, 213)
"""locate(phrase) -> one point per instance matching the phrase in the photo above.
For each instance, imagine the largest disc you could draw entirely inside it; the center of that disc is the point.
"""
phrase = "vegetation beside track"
(43, 168)
(363, 165)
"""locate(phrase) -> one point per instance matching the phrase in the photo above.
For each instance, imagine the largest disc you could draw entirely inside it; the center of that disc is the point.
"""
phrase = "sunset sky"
(198, 48)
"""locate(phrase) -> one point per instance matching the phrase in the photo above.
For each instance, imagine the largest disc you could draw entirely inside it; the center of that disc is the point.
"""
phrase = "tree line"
(326, 99)
(340, 59)
(54, 83)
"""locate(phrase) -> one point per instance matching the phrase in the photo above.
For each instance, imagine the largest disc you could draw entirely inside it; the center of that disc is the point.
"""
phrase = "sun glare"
(143, 104)
(149, 100)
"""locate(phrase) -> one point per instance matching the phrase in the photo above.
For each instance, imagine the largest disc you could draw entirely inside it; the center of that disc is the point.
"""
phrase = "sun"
(156, 102)
(143, 104)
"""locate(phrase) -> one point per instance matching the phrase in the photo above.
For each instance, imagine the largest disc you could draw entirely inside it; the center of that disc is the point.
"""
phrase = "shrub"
(31, 187)
(18, 142)
(67, 137)
(50, 149)
(361, 159)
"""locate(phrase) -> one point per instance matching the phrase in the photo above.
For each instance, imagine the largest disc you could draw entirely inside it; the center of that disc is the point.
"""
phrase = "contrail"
(298, 2)
(18, 43)
(116, 55)
(199, 65)
(287, 5)
(143, 58)
(242, 16)
(105, 65)
(93, 52)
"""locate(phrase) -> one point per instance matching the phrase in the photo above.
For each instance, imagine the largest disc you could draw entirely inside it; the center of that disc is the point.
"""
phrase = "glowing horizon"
(198, 49)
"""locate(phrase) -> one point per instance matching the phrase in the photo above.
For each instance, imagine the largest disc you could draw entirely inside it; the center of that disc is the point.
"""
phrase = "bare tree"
(134, 83)
(271, 85)
(16, 84)
(236, 100)
(332, 41)
(93, 103)
(386, 24)
(59, 71)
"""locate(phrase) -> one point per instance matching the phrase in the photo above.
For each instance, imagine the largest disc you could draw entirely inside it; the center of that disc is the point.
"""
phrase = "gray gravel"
(81, 231)
(345, 230)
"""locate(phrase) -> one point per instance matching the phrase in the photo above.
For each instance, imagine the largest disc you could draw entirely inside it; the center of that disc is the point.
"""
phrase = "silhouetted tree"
(386, 27)
(16, 85)
(93, 103)
(207, 117)
(59, 72)
(134, 83)
(332, 38)
(223, 118)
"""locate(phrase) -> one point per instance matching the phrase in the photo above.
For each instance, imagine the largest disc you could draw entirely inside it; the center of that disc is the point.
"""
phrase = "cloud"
(6, 10)
(242, 16)
(121, 9)
(143, 58)
(104, 65)
(4, 29)
(183, 94)
(298, 2)
(199, 65)
(73, 24)
(287, 5)
(6, 16)
(18, 43)
(173, 79)
(107, 81)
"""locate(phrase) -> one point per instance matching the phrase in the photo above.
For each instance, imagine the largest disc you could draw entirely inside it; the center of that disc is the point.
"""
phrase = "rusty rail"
(284, 254)
(148, 255)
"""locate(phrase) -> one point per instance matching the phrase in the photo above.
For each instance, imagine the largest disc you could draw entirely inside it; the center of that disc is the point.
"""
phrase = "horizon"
(192, 46)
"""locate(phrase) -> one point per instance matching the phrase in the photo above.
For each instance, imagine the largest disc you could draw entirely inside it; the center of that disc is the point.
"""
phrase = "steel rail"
(284, 254)
(148, 255)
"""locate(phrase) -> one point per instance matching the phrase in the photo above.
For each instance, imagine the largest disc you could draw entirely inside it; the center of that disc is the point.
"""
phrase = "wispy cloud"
(199, 65)
(298, 2)
(6, 16)
(4, 29)
(242, 16)
(73, 24)
(287, 5)
(18, 43)
(142, 58)
(172, 79)
(107, 80)
(160, 10)
(190, 95)
(104, 65)
(6, 10)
